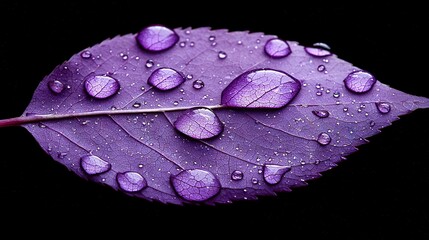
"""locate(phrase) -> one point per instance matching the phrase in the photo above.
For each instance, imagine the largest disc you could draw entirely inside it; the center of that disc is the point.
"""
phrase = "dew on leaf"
(324, 139)
(254, 181)
(182, 44)
(157, 38)
(199, 123)
(212, 38)
(383, 107)
(261, 88)
(222, 55)
(277, 48)
(85, 54)
(56, 86)
(149, 63)
(321, 113)
(101, 86)
(137, 105)
(131, 181)
(195, 185)
(321, 68)
(165, 78)
(274, 173)
(198, 84)
(336, 94)
(317, 52)
(359, 81)
(237, 175)
(93, 165)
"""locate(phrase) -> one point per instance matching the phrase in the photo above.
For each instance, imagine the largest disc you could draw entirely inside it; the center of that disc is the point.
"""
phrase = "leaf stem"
(18, 121)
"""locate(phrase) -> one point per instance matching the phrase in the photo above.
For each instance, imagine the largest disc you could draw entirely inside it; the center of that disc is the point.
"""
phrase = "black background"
(379, 192)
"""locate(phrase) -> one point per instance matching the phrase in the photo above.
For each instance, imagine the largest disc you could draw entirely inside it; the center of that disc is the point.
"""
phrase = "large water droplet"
(199, 123)
(261, 88)
(359, 81)
(166, 78)
(131, 181)
(196, 185)
(85, 54)
(56, 86)
(101, 86)
(157, 38)
(237, 175)
(93, 165)
(383, 107)
(198, 84)
(149, 63)
(324, 139)
(277, 48)
(222, 55)
(317, 51)
(273, 174)
(321, 113)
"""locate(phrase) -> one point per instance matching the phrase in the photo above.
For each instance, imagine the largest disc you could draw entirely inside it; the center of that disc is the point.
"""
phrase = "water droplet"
(137, 105)
(273, 174)
(336, 94)
(175, 103)
(383, 107)
(165, 78)
(195, 185)
(317, 51)
(131, 181)
(182, 44)
(124, 56)
(322, 45)
(189, 76)
(149, 63)
(345, 109)
(212, 38)
(323, 139)
(85, 54)
(318, 85)
(239, 42)
(140, 165)
(198, 84)
(321, 113)
(199, 123)
(56, 86)
(261, 88)
(321, 68)
(192, 44)
(319, 93)
(359, 82)
(222, 55)
(187, 32)
(237, 175)
(255, 181)
(157, 38)
(277, 48)
(93, 165)
(101, 86)
(371, 123)
(62, 155)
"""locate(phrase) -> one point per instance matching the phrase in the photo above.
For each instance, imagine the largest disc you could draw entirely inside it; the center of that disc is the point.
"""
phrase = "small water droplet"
(212, 38)
(237, 175)
(140, 165)
(345, 109)
(199, 123)
(187, 32)
(318, 85)
(61, 155)
(196, 185)
(175, 103)
(93, 165)
(277, 48)
(189, 76)
(324, 139)
(182, 44)
(359, 81)
(371, 123)
(157, 38)
(383, 107)
(124, 56)
(100, 86)
(137, 105)
(56, 86)
(316, 51)
(192, 44)
(85, 54)
(149, 63)
(336, 94)
(321, 113)
(319, 93)
(142, 88)
(86, 122)
(239, 42)
(198, 84)
(255, 181)
(131, 181)
(321, 68)
(113, 108)
(273, 174)
(165, 78)
(222, 55)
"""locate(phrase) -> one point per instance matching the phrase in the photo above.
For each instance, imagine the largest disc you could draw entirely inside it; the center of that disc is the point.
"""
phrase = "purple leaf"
(245, 114)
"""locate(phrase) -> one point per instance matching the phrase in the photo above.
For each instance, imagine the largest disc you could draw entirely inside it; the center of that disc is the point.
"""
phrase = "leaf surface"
(216, 117)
